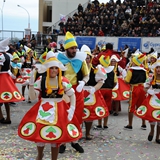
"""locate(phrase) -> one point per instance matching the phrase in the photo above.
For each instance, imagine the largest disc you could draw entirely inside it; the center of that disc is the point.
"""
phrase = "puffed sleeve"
(2, 59)
(122, 71)
(147, 84)
(101, 74)
(128, 76)
(69, 91)
(34, 91)
(37, 83)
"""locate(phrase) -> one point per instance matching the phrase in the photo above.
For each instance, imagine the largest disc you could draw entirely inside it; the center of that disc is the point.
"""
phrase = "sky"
(16, 18)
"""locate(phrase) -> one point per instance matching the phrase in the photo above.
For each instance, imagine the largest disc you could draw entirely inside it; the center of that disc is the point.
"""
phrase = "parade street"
(114, 143)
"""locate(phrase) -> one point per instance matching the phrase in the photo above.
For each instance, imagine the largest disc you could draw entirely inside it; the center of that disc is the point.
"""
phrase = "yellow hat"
(138, 60)
(42, 58)
(69, 41)
(15, 56)
(104, 60)
(27, 49)
(103, 48)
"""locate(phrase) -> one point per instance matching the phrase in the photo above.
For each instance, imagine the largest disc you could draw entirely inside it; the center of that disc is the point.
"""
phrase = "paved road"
(111, 144)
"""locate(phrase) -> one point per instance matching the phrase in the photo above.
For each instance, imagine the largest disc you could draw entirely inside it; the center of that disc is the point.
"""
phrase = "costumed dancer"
(9, 92)
(26, 70)
(107, 87)
(21, 53)
(15, 66)
(136, 77)
(136, 53)
(152, 58)
(150, 108)
(78, 75)
(121, 90)
(50, 120)
(94, 105)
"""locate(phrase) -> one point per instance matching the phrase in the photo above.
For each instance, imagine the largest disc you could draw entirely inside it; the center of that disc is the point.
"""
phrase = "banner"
(149, 42)
(131, 42)
(103, 40)
(89, 41)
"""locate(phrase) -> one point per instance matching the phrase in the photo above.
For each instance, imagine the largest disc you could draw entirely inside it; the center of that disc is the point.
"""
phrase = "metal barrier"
(41, 39)
(15, 36)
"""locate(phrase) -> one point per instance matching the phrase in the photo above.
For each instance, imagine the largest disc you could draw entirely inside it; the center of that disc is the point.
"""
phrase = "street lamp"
(28, 16)
(2, 16)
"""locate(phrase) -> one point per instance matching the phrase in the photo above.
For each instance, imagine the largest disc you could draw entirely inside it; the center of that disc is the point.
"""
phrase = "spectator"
(80, 8)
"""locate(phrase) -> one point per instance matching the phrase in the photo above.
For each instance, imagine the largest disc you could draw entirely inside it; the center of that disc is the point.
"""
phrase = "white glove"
(31, 80)
(11, 74)
(25, 83)
(71, 112)
(80, 86)
(150, 91)
(92, 90)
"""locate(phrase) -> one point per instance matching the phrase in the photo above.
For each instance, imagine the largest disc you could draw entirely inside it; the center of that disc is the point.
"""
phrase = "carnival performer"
(9, 92)
(136, 77)
(150, 108)
(16, 66)
(107, 87)
(121, 90)
(152, 58)
(50, 120)
(78, 75)
(94, 105)
(28, 63)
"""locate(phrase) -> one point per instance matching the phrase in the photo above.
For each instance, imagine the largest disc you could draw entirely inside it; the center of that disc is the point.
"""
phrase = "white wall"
(64, 7)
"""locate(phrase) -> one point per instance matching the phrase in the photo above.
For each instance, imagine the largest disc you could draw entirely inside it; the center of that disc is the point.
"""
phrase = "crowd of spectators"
(131, 18)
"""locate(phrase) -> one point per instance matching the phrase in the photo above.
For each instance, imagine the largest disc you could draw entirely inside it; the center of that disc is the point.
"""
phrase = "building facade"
(50, 10)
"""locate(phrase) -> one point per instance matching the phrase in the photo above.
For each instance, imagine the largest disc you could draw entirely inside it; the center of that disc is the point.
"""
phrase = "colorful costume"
(94, 104)
(110, 82)
(48, 121)
(8, 92)
(77, 73)
(121, 90)
(26, 68)
(15, 67)
(136, 76)
(150, 108)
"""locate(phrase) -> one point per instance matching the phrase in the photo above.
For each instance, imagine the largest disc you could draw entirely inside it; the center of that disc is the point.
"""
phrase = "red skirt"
(8, 90)
(94, 106)
(122, 92)
(26, 72)
(60, 132)
(150, 108)
(79, 104)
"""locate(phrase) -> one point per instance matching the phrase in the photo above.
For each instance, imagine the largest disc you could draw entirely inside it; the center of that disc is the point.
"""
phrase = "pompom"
(49, 91)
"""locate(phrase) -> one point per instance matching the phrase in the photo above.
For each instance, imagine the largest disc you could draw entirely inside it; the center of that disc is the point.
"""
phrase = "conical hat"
(138, 60)
(104, 60)
(86, 49)
(4, 45)
(125, 52)
(15, 56)
(115, 57)
(51, 61)
(154, 54)
(69, 41)
(27, 49)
